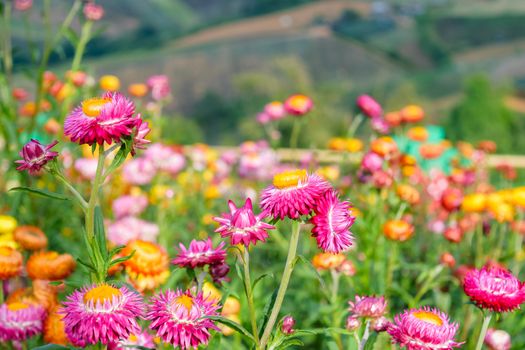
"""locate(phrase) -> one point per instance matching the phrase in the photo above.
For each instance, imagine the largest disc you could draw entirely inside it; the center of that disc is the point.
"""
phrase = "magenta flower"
(160, 87)
(423, 329)
(298, 105)
(165, 158)
(369, 107)
(130, 228)
(179, 318)
(495, 289)
(19, 321)
(129, 205)
(102, 313)
(86, 167)
(35, 156)
(139, 171)
(368, 307)
(497, 339)
(293, 193)
(263, 118)
(242, 225)
(101, 119)
(287, 325)
(93, 12)
(200, 253)
(380, 125)
(332, 222)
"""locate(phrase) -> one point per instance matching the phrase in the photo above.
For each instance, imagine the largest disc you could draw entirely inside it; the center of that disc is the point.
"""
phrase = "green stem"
(294, 137)
(8, 58)
(362, 344)
(90, 212)
(401, 210)
(483, 331)
(81, 201)
(392, 261)
(479, 245)
(518, 241)
(2, 291)
(249, 294)
(287, 273)
(427, 284)
(354, 125)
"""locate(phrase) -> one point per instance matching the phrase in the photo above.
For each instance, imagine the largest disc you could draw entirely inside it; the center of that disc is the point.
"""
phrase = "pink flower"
(332, 222)
(263, 118)
(423, 329)
(497, 339)
(242, 225)
(35, 156)
(293, 193)
(200, 253)
(143, 339)
(379, 125)
(93, 12)
(372, 162)
(275, 110)
(87, 167)
(126, 229)
(160, 87)
(20, 321)
(139, 171)
(495, 289)
(139, 136)
(23, 5)
(101, 119)
(368, 307)
(165, 158)
(179, 318)
(298, 105)
(369, 107)
(102, 313)
(129, 206)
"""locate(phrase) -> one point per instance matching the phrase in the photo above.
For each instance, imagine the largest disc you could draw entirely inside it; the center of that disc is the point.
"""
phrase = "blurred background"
(463, 61)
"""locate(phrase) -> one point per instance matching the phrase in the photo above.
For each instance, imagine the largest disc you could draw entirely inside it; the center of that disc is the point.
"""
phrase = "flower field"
(111, 237)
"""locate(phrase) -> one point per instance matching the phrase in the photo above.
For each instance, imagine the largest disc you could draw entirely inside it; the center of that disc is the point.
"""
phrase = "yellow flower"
(353, 145)
(474, 203)
(212, 192)
(109, 83)
(207, 219)
(7, 224)
(337, 144)
(330, 173)
(210, 291)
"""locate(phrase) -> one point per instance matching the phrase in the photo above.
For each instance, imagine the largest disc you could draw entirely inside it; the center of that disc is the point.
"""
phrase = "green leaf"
(39, 192)
(286, 343)
(53, 347)
(100, 233)
(71, 36)
(116, 250)
(267, 311)
(261, 277)
(121, 260)
(120, 157)
(324, 288)
(233, 325)
(88, 266)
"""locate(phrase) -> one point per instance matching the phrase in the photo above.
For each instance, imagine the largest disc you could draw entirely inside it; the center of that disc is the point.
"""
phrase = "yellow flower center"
(428, 317)
(299, 101)
(132, 338)
(186, 301)
(289, 178)
(93, 106)
(17, 306)
(101, 294)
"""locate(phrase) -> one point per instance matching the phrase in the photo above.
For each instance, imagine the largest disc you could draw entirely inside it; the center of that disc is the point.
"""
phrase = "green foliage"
(430, 41)
(181, 130)
(481, 115)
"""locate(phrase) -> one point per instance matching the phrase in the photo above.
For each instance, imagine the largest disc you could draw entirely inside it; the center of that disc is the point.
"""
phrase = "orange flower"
(393, 118)
(502, 211)
(398, 230)
(337, 144)
(327, 261)
(52, 126)
(431, 151)
(418, 133)
(384, 146)
(30, 237)
(148, 267)
(54, 328)
(50, 266)
(447, 259)
(487, 146)
(408, 193)
(10, 263)
(41, 293)
(138, 90)
(412, 114)
(407, 159)
(453, 234)
(474, 203)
